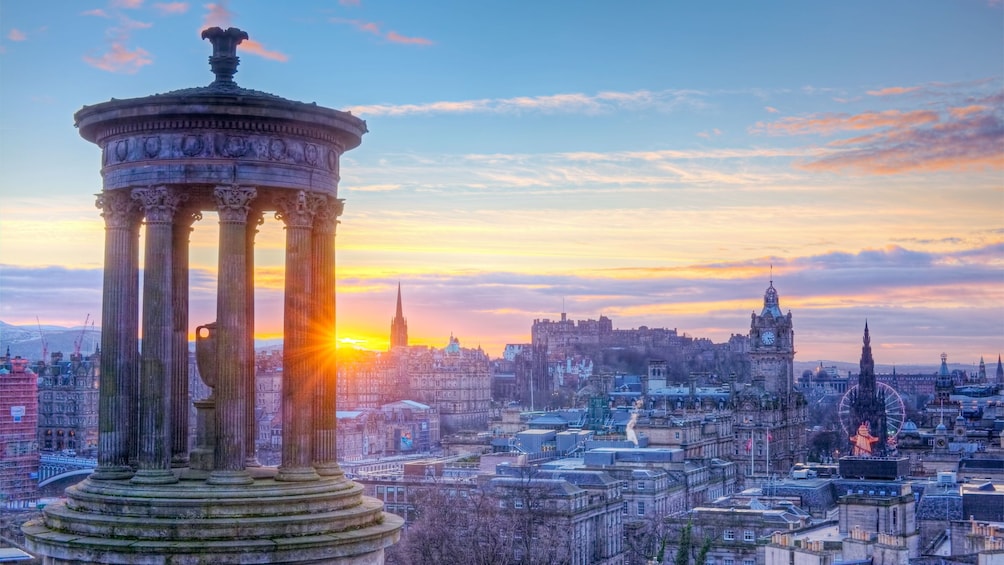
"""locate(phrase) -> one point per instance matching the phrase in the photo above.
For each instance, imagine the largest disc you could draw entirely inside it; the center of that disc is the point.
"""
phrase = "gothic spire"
(400, 310)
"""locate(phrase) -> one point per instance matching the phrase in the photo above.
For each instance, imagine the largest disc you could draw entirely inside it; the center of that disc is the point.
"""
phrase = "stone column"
(159, 205)
(232, 351)
(179, 369)
(297, 212)
(324, 364)
(119, 334)
(256, 218)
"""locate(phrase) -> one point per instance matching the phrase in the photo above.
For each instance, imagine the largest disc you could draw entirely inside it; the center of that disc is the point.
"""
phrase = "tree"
(683, 550)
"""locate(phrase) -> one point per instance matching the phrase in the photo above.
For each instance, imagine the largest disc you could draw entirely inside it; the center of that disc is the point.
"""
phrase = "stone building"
(770, 414)
(455, 381)
(68, 404)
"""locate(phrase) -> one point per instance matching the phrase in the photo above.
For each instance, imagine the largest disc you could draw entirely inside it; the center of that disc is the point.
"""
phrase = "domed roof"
(941, 428)
(909, 426)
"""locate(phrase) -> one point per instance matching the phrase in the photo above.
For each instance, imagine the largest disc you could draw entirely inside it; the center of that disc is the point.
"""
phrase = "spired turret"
(167, 158)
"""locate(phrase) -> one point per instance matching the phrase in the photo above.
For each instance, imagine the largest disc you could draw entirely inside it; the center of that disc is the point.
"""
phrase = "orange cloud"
(966, 138)
(17, 35)
(374, 28)
(256, 48)
(218, 15)
(827, 124)
(893, 90)
(169, 8)
(772, 110)
(119, 59)
(396, 37)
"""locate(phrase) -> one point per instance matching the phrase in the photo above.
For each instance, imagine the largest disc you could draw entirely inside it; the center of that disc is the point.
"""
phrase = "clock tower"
(772, 346)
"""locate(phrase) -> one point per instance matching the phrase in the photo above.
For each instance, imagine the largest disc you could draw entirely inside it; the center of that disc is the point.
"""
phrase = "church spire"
(399, 325)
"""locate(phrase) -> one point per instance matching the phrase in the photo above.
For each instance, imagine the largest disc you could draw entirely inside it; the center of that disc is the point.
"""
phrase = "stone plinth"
(325, 521)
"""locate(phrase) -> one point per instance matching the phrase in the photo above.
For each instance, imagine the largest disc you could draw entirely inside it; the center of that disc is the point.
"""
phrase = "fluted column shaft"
(231, 391)
(324, 365)
(179, 366)
(119, 334)
(159, 205)
(297, 385)
(251, 451)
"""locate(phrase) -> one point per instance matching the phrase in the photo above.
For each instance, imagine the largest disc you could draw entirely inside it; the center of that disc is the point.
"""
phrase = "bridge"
(53, 467)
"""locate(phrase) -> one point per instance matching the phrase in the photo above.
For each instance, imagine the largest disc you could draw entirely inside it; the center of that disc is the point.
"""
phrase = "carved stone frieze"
(265, 147)
(298, 210)
(159, 203)
(234, 202)
(118, 209)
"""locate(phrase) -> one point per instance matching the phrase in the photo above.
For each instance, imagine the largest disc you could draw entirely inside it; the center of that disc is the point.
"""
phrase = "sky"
(658, 163)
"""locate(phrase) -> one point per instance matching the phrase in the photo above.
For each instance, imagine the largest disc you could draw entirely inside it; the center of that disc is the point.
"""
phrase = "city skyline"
(656, 164)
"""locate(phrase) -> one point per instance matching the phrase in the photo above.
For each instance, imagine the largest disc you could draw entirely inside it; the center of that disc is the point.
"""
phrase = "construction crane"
(79, 342)
(45, 344)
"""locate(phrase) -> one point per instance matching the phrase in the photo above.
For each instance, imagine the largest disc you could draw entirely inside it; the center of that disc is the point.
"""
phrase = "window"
(749, 561)
(518, 503)
(641, 485)
(728, 561)
(641, 508)
(730, 535)
(748, 536)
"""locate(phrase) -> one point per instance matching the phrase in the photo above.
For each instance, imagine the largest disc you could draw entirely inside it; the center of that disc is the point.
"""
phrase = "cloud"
(893, 90)
(171, 8)
(580, 103)
(968, 140)
(120, 59)
(771, 110)
(97, 12)
(373, 28)
(17, 35)
(256, 48)
(828, 124)
(396, 37)
(119, 56)
(351, 3)
(708, 134)
(961, 137)
(217, 15)
(127, 4)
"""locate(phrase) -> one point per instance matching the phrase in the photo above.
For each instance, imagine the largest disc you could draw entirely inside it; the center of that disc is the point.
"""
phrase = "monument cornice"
(214, 112)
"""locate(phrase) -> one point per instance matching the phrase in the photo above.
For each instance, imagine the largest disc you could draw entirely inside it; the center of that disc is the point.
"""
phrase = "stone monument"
(167, 158)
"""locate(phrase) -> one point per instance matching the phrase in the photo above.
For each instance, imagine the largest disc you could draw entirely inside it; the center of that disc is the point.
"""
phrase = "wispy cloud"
(256, 48)
(375, 29)
(17, 35)
(580, 103)
(350, 3)
(171, 8)
(218, 14)
(953, 138)
(119, 56)
(893, 90)
(772, 110)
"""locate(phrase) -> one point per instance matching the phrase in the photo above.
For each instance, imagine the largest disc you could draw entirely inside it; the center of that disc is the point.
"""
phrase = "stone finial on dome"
(224, 59)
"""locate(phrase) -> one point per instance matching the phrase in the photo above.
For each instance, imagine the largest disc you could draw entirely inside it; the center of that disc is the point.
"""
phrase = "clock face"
(767, 338)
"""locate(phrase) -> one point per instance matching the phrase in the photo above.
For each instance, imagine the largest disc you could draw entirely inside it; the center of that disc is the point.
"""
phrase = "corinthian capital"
(117, 208)
(298, 210)
(234, 202)
(327, 214)
(159, 203)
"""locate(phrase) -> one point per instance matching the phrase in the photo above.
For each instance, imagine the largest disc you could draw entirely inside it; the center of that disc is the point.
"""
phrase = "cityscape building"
(868, 419)
(769, 413)
(399, 325)
(68, 404)
(18, 428)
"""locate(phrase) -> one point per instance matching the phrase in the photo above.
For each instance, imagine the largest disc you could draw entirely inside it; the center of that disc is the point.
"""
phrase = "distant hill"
(25, 341)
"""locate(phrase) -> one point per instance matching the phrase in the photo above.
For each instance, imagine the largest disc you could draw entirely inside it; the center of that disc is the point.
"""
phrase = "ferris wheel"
(895, 412)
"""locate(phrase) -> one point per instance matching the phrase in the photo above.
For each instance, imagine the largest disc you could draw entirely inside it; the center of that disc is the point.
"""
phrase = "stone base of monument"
(190, 522)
